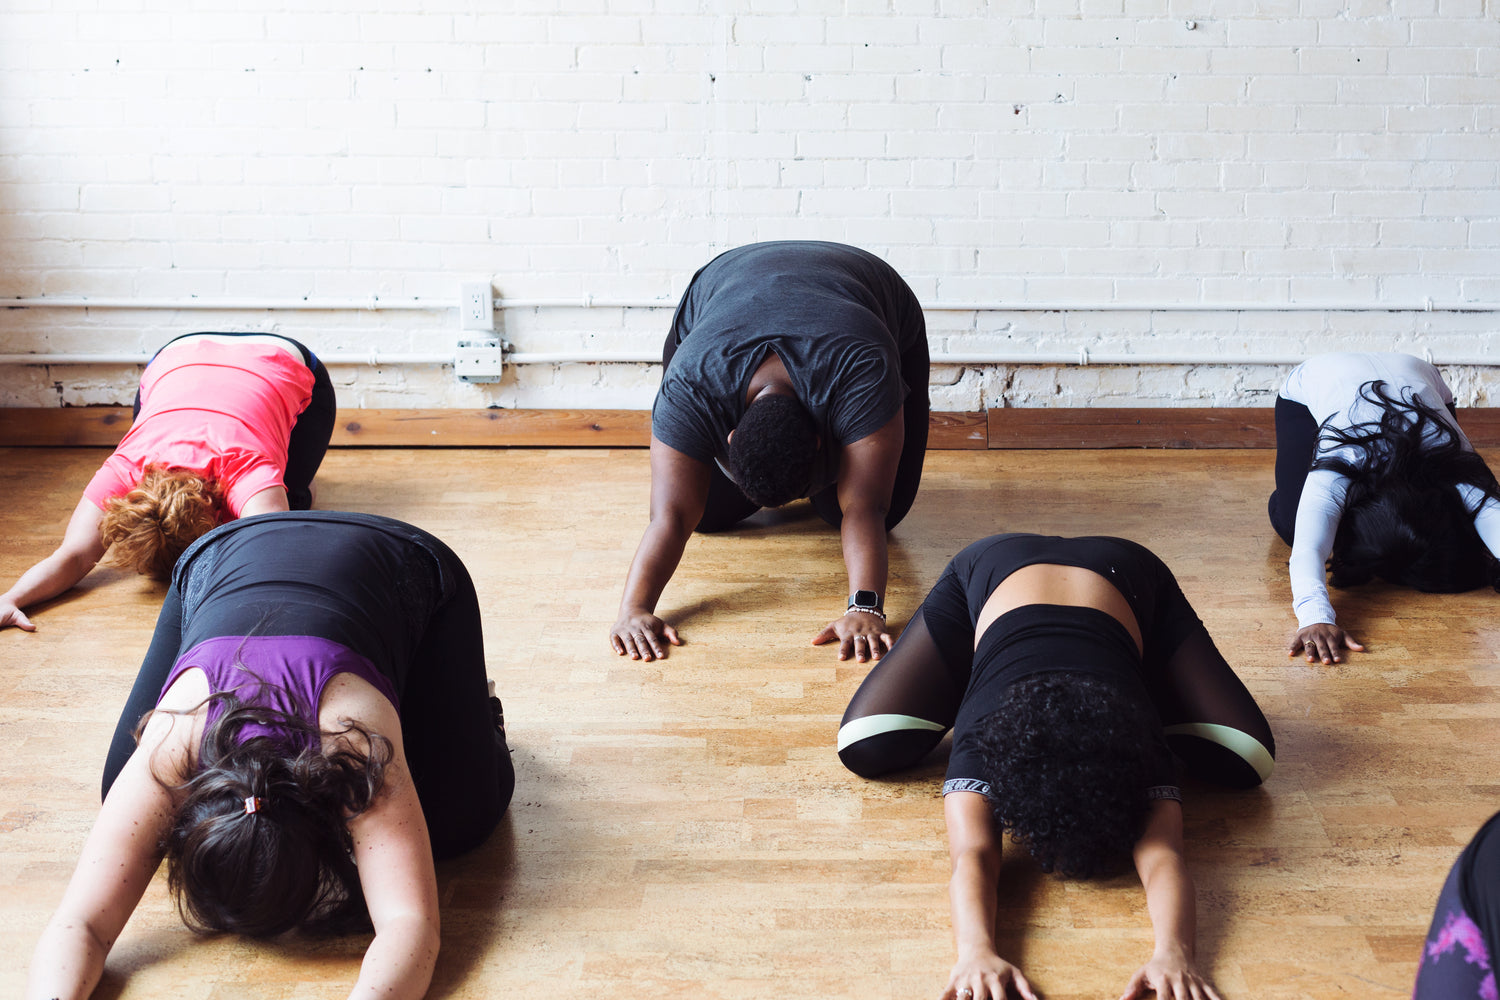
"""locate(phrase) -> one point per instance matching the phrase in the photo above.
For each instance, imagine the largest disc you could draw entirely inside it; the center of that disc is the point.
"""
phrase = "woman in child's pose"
(1070, 671)
(321, 732)
(792, 369)
(1372, 469)
(1458, 958)
(226, 426)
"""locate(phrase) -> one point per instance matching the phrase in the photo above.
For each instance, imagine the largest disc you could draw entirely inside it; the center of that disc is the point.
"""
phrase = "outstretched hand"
(861, 636)
(1323, 641)
(1169, 979)
(642, 636)
(989, 977)
(12, 615)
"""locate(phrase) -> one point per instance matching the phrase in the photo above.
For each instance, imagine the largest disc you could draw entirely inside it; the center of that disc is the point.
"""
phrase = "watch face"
(866, 599)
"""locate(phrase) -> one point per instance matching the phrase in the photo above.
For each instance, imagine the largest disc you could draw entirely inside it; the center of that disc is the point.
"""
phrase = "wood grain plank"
(62, 427)
(493, 428)
(490, 428)
(1127, 427)
(952, 431)
(1174, 427)
(1118, 427)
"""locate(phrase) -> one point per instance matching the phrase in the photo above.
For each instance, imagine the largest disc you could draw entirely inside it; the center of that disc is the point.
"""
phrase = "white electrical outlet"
(479, 360)
(476, 306)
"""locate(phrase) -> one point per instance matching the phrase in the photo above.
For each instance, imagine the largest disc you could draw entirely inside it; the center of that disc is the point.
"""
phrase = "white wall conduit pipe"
(373, 304)
(1080, 357)
(369, 358)
(378, 304)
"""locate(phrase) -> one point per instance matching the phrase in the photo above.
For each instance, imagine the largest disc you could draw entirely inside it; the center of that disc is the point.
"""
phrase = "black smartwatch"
(865, 600)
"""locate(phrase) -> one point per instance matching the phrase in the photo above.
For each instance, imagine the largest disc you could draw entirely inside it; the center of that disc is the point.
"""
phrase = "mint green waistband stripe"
(1247, 747)
(873, 725)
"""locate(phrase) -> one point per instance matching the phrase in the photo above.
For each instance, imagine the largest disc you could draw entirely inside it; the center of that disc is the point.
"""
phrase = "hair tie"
(254, 804)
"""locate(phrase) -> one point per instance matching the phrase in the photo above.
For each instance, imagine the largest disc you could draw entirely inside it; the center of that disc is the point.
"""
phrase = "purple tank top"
(284, 672)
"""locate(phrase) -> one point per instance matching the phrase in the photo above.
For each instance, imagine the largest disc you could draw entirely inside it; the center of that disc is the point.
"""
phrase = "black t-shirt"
(839, 319)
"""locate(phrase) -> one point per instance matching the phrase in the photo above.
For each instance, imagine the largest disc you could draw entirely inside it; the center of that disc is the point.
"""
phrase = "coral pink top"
(223, 410)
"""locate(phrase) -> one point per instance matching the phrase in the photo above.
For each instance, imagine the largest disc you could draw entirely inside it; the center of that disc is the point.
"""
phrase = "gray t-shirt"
(839, 319)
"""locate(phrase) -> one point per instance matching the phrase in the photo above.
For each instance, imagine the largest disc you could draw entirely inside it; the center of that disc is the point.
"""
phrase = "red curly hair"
(149, 527)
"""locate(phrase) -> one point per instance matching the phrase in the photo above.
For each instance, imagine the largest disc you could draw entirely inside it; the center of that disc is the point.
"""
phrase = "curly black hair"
(773, 449)
(1069, 758)
(1403, 520)
(288, 864)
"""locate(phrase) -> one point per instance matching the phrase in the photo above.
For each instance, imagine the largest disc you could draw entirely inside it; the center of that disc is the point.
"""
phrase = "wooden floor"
(685, 828)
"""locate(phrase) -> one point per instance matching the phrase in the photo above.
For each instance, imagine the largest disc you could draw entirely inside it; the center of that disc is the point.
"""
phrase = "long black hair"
(1403, 518)
(288, 863)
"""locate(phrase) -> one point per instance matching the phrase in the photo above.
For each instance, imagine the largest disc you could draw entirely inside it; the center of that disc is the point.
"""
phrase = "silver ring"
(965, 992)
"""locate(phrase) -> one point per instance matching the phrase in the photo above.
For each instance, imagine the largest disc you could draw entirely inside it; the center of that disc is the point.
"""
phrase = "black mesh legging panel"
(912, 681)
(1207, 712)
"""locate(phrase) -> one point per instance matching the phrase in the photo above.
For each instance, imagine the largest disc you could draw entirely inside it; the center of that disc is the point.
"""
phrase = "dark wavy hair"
(1403, 519)
(288, 864)
(1069, 758)
(773, 449)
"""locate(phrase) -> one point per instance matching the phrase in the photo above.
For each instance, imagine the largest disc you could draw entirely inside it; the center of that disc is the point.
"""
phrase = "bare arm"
(867, 474)
(974, 853)
(80, 551)
(265, 502)
(120, 856)
(394, 855)
(679, 493)
(1171, 973)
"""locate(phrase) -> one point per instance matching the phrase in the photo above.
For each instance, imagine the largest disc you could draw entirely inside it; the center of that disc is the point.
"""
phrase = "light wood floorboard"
(685, 828)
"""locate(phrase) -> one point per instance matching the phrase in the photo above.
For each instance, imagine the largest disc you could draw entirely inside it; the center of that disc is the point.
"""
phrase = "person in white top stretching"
(1373, 470)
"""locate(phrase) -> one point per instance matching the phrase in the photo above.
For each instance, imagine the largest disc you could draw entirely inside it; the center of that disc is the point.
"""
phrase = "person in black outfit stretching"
(309, 731)
(792, 369)
(1071, 671)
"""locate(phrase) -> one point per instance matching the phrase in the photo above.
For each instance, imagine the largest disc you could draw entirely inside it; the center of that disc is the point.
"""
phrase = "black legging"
(914, 694)
(727, 505)
(311, 432)
(391, 592)
(1296, 439)
(1296, 443)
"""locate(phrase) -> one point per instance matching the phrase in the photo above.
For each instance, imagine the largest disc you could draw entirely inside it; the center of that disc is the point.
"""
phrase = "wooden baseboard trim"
(103, 426)
(1177, 427)
(1125, 427)
(493, 428)
(64, 427)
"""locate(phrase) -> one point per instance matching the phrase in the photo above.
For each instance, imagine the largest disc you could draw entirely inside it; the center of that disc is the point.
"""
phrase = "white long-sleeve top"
(1328, 385)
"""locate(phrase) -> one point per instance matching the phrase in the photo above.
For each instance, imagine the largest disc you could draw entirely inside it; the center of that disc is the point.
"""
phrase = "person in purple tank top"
(311, 728)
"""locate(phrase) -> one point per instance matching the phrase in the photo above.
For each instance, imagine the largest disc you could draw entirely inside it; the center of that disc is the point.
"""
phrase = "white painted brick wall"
(1131, 152)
